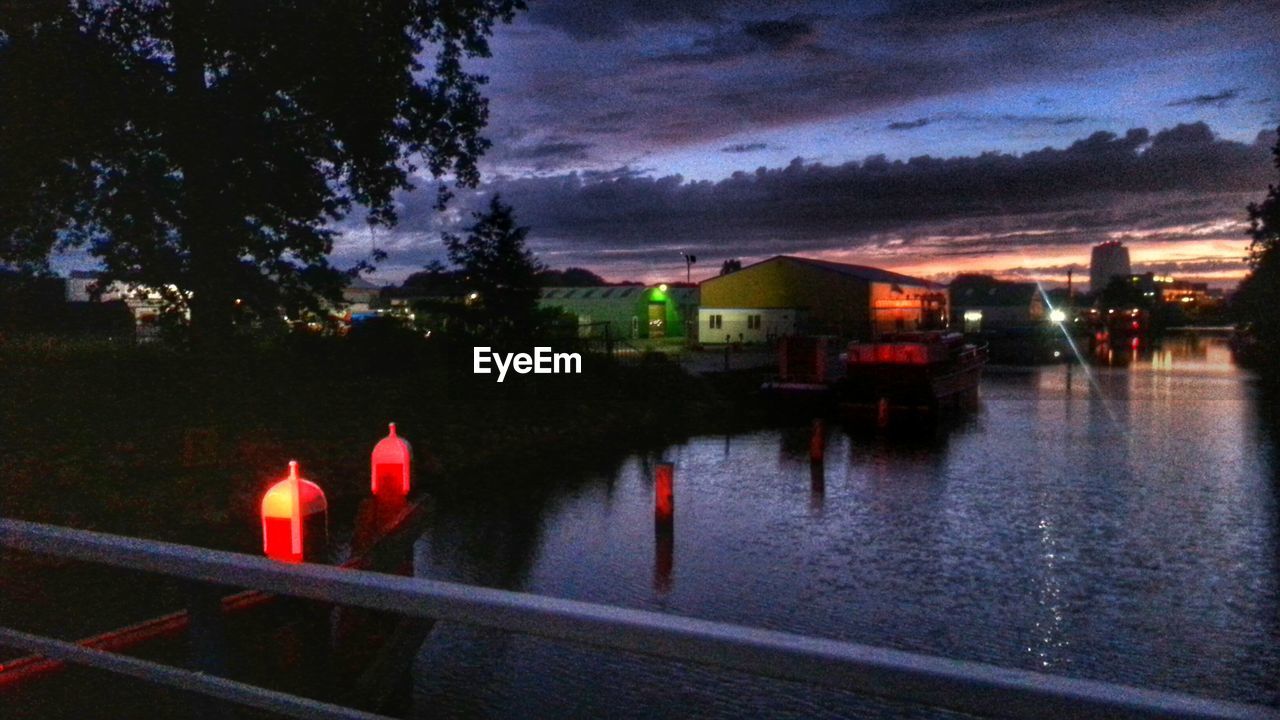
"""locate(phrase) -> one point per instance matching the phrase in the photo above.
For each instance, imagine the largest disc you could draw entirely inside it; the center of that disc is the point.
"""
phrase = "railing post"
(207, 641)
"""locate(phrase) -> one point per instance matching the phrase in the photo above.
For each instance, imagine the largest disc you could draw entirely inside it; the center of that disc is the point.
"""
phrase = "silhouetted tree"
(435, 279)
(500, 274)
(1257, 300)
(730, 266)
(571, 277)
(208, 146)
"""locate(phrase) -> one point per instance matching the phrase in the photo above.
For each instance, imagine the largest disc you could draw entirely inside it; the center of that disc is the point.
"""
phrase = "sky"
(930, 137)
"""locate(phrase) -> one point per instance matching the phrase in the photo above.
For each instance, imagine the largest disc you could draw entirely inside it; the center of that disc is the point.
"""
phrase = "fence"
(893, 674)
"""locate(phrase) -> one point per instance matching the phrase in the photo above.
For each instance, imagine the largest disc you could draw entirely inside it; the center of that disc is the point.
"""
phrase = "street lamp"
(689, 260)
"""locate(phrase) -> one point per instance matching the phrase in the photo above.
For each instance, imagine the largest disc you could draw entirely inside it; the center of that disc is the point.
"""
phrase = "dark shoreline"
(173, 445)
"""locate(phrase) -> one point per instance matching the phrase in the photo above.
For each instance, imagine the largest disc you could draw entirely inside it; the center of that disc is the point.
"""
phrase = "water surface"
(1117, 522)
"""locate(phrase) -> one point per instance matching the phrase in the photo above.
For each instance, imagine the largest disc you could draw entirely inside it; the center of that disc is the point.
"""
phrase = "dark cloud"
(744, 147)
(1007, 118)
(908, 124)
(778, 33)
(1166, 186)
(1221, 99)
(750, 38)
(947, 17)
(604, 19)
(574, 150)
(656, 76)
(1045, 119)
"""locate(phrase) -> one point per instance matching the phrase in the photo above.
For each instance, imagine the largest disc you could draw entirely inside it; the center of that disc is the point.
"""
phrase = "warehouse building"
(787, 295)
(985, 304)
(628, 311)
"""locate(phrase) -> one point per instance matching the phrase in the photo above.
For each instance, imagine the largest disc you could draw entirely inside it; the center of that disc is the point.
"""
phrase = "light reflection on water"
(1127, 531)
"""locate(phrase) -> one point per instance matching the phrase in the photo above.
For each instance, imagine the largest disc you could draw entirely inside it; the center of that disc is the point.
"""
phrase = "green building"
(629, 311)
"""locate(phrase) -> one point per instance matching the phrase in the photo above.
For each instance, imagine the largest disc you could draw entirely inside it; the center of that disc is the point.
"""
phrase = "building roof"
(627, 293)
(861, 272)
(994, 293)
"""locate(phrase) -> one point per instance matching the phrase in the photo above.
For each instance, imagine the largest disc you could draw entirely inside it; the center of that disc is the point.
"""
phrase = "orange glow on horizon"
(1161, 250)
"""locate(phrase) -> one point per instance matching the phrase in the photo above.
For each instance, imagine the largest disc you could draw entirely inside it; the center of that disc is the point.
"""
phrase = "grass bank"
(165, 443)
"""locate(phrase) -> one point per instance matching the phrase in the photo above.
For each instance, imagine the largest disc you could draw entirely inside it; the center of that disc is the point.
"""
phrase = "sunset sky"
(927, 137)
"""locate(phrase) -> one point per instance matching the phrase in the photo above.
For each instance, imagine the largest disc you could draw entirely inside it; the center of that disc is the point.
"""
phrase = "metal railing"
(893, 674)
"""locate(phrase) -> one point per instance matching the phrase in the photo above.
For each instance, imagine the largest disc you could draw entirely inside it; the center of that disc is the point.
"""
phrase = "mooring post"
(664, 494)
(817, 441)
(207, 641)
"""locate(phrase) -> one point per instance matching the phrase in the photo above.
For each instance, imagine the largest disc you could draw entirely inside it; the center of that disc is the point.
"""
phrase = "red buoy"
(295, 519)
(390, 465)
(664, 502)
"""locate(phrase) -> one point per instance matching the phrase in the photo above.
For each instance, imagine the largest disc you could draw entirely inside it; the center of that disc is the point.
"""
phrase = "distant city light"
(972, 315)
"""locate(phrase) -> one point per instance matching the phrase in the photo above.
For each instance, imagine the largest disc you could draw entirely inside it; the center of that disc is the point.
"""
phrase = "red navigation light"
(295, 518)
(664, 502)
(389, 465)
(1134, 343)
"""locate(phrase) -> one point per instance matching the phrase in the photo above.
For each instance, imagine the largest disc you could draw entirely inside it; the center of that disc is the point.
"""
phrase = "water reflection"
(664, 554)
(1125, 528)
(817, 487)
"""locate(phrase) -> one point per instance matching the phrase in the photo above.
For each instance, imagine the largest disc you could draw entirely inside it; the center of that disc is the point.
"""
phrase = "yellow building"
(787, 295)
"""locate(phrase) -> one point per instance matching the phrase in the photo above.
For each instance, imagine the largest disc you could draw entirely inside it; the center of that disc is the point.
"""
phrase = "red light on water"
(390, 464)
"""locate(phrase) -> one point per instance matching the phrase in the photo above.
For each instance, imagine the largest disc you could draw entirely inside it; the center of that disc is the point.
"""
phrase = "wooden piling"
(664, 494)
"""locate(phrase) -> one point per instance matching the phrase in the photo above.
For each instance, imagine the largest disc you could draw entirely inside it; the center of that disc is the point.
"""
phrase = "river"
(1116, 522)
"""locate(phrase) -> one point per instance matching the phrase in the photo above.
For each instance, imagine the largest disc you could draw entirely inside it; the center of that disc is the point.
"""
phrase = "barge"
(924, 373)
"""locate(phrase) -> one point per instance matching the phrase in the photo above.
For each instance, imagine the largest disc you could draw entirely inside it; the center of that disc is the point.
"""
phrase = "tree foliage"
(209, 146)
(1258, 298)
(731, 265)
(501, 276)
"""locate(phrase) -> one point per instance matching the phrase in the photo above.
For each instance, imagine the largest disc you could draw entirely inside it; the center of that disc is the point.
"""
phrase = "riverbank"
(163, 443)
